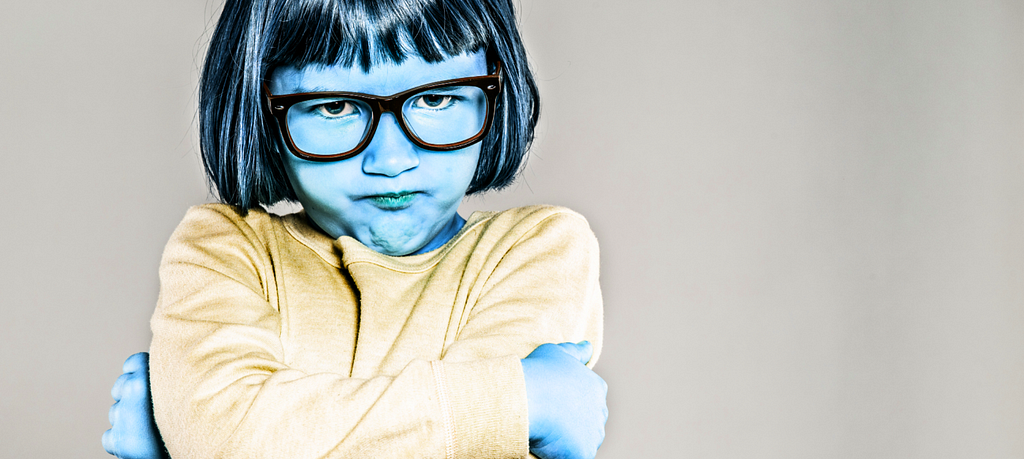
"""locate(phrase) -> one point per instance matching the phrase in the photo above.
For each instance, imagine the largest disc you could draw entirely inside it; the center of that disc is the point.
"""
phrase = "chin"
(395, 239)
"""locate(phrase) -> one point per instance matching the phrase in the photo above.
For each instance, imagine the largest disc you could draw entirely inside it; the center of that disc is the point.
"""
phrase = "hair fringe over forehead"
(368, 32)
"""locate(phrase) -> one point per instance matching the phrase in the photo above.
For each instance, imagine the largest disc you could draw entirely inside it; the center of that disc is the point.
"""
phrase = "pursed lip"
(393, 200)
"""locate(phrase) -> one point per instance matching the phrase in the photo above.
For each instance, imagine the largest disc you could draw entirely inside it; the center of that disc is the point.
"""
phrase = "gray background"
(811, 214)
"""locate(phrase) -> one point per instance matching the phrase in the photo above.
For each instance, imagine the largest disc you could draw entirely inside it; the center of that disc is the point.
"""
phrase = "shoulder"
(539, 220)
(223, 216)
(540, 230)
(221, 230)
(212, 221)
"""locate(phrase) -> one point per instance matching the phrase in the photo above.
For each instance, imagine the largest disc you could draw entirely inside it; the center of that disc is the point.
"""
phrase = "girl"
(377, 322)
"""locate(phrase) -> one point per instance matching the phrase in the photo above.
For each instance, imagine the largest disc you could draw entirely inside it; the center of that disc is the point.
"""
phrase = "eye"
(336, 109)
(434, 101)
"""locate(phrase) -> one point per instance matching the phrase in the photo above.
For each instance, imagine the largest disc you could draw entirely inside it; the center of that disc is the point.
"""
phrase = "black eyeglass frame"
(280, 104)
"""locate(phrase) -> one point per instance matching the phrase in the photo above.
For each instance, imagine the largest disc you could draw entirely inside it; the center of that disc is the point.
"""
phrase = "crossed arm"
(565, 399)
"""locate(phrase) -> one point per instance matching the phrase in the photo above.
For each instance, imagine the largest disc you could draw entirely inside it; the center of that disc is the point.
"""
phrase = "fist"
(133, 433)
(566, 402)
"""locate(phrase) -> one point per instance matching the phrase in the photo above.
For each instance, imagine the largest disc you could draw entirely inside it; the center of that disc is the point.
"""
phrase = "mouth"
(393, 201)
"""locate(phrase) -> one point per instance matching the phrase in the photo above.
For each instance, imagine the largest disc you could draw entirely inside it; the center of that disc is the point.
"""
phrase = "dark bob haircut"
(252, 37)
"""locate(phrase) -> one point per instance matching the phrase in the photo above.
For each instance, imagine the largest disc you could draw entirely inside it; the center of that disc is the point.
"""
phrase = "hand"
(566, 401)
(133, 434)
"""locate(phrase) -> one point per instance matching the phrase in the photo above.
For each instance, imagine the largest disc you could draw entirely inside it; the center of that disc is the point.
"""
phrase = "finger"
(588, 349)
(118, 389)
(573, 350)
(108, 442)
(136, 390)
(113, 414)
(581, 351)
(136, 362)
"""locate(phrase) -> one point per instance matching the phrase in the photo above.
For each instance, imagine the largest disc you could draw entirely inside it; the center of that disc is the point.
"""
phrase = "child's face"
(394, 197)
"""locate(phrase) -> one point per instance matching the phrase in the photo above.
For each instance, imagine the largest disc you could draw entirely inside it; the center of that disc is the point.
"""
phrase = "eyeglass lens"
(437, 116)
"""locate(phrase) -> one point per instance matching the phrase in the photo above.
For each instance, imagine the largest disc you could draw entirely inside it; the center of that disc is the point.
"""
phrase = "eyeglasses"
(440, 116)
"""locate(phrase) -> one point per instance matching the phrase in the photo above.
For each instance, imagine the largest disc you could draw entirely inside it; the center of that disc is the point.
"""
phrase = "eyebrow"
(300, 89)
(317, 88)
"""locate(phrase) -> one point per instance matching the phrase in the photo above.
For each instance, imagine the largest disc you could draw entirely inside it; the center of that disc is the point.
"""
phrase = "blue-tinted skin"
(356, 197)
(133, 434)
(394, 197)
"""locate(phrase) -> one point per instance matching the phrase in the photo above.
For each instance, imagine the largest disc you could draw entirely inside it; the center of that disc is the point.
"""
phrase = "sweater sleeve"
(543, 289)
(221, 387)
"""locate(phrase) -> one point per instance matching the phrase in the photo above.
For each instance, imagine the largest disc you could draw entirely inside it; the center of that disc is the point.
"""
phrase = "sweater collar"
(347, 250)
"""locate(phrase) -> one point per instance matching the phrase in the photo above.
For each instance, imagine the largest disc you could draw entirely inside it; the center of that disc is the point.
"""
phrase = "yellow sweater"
(271, 340)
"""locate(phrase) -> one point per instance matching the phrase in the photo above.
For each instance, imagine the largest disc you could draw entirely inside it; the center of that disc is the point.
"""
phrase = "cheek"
(447, 174)
(463, 170)
(317, 183)
(302, 177)
(456, 173)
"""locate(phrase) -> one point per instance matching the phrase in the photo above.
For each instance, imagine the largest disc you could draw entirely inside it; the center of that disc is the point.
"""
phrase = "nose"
(390, 152)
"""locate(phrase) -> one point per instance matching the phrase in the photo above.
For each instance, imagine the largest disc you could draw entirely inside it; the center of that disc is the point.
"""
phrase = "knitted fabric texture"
(272, 340)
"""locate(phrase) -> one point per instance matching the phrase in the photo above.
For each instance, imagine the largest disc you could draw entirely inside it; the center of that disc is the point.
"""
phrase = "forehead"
(382, 79)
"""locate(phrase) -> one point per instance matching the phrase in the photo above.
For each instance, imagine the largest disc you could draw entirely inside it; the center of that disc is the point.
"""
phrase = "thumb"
(136, 362)
(581, 351)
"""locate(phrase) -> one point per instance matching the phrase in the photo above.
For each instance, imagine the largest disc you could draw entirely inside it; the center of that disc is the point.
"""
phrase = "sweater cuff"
(487, 407)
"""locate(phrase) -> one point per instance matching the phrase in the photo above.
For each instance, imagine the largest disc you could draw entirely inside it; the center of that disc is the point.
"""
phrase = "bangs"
(368, 32)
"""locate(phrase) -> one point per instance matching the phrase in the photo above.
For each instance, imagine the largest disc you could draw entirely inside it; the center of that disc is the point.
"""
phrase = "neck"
(446, 234)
